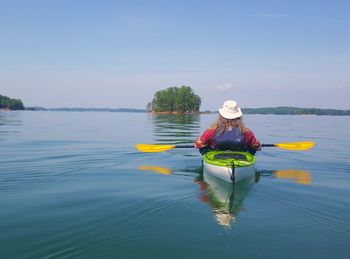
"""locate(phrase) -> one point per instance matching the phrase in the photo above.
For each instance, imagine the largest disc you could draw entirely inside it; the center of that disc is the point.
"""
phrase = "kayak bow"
(231, 166)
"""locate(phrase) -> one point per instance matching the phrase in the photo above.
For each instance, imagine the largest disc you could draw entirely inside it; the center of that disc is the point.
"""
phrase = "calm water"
(72, 185)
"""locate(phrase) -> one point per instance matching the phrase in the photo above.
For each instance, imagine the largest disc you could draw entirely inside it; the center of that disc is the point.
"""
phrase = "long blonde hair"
(221, 124)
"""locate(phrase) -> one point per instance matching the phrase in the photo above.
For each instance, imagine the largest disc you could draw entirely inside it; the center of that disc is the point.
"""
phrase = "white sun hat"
(230, 110)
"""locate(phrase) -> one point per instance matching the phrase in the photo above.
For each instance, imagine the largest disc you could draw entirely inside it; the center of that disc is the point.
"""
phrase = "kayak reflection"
(224, 198)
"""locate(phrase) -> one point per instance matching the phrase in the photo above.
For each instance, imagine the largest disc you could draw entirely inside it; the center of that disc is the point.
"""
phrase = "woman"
(228, 132)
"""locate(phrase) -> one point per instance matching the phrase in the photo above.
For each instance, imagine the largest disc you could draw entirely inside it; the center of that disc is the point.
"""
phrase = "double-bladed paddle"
(296, 146)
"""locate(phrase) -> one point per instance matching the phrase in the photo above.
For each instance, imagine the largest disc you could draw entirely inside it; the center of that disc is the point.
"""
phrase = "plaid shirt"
(207, 139)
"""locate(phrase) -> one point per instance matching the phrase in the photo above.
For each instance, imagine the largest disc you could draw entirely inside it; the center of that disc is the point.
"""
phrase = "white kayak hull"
(225, 172)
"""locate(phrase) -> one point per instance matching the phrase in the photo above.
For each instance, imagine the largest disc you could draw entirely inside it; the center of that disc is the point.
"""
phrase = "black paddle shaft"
(184, 146)
(192, 146)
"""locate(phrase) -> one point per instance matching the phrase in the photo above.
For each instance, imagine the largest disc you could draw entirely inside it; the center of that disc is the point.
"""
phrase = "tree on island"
(175, 100)
(11, 104)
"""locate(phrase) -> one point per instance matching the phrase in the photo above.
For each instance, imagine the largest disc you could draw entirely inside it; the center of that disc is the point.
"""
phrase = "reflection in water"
(176, 128)
(192, 172)
(298, 176)
(224, 198)
(9, 122)
(157, 169)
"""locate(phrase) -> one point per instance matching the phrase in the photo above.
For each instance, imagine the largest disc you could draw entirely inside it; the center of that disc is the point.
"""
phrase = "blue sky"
(261, 53)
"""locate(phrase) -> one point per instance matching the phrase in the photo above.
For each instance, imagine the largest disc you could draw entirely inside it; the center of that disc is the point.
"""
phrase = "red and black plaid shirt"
(207, 139)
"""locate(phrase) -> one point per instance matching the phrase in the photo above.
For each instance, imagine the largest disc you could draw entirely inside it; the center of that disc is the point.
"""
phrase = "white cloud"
(224, 87)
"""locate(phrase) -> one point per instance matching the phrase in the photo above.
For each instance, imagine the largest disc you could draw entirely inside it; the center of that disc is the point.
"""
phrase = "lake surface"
(72, 185)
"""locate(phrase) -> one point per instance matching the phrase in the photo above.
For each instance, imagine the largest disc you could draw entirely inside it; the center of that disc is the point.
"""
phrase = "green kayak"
(231, 166)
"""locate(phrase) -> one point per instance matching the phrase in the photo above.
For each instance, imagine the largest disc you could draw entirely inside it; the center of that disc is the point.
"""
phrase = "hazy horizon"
(201, 110)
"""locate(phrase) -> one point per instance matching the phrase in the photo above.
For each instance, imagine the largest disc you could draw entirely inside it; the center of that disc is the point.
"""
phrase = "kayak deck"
(231, 166)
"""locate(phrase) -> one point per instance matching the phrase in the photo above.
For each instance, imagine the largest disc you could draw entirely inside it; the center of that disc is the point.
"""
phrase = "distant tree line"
(67, 109)
(11, 104)
(296, 111)
(175, 99)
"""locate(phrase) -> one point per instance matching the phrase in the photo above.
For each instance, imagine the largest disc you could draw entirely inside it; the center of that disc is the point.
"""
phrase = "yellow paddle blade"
(296, 145)
(158, 169)
(299, 176)
(153, 147)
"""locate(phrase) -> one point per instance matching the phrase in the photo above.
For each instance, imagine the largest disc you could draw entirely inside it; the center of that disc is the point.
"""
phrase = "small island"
(183, 100)
(7, 103)
(175, 100)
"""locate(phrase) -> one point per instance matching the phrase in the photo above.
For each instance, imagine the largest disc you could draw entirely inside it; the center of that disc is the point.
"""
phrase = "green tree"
(175, 99)
(12, 104)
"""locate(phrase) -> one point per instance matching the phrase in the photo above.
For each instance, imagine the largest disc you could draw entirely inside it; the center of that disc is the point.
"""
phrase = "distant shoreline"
(257, 111)
(68, 109)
